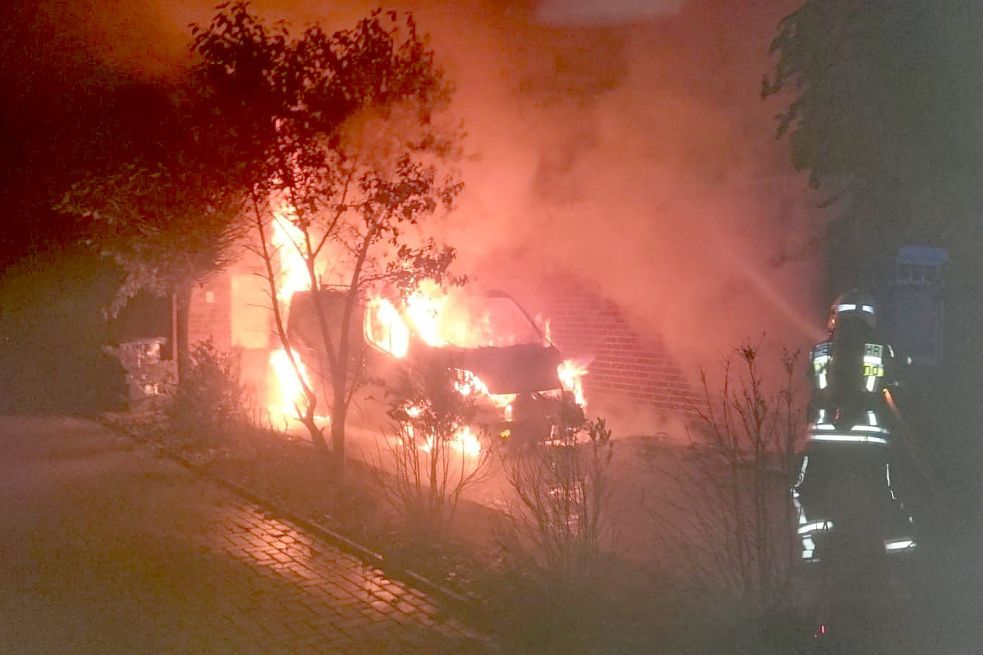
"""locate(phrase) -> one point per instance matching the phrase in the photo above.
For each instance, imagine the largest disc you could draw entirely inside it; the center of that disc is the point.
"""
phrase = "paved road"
(106, 548)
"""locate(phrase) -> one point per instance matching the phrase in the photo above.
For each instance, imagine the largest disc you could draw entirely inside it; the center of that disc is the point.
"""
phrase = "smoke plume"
(620, 142)
(637, 155)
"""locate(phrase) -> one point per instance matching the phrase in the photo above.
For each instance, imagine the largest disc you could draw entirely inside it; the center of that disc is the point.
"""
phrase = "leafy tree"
(168, 216)
(880, 108)
(843, 62)
(859, 79)
(339, 146)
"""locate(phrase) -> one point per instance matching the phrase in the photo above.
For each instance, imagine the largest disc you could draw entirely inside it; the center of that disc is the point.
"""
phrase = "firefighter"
(845, 476)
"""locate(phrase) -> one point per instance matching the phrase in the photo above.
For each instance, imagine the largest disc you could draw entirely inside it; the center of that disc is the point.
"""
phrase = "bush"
(557, 520)
(211, 403)
(726, 518)
(149, 379)
(550, 593)
(435, 450)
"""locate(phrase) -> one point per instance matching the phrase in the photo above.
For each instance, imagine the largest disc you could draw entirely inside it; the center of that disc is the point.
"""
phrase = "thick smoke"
(622, 142)
(639, 156)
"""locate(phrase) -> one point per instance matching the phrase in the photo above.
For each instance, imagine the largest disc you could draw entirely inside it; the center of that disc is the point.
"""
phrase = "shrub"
(551, 592)
(435, 450)
(557, 518)
(210, 402)
(726, 517)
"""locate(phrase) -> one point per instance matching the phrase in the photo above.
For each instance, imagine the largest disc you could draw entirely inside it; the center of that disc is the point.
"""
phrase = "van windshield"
(495, 321)
(468, 319)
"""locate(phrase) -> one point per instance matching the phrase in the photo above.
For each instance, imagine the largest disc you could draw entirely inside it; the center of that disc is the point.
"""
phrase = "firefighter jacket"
(850, 372)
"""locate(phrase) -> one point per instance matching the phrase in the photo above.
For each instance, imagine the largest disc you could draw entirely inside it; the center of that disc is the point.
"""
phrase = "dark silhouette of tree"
(168, 216)
(844, 62)
(875, 111)
(341, 147)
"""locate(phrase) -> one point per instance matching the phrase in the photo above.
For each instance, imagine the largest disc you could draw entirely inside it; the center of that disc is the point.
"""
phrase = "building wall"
(628, 367)
(211, 311)
(233, 309)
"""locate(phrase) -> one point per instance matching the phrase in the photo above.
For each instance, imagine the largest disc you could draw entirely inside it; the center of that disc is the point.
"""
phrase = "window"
(385, 328)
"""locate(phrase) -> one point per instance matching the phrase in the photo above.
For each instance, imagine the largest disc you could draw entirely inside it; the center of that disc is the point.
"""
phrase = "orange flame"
(571, 376)
(425, 308)
(286, 239)
(385, 328)
(441, 318)
(471, 385)
(286, 398)
(464, 440)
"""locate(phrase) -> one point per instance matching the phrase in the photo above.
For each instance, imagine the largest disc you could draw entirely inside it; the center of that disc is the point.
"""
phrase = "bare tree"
(558, 518)
(726, 519)
(341, 148)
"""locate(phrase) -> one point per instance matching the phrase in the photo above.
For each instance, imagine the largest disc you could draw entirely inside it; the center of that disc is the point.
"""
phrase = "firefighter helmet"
(853, 303)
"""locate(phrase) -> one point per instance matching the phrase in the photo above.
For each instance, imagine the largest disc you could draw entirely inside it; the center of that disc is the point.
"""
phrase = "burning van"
(508, 361)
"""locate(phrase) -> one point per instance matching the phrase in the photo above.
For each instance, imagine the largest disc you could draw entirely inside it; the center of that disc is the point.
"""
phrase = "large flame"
(466, 442)
(571, 374)
(459, 317)
(425, 308)
(436, 316)
(441, 318)
(470, 384)
(385, 328)
(286, 398)
(287, 240)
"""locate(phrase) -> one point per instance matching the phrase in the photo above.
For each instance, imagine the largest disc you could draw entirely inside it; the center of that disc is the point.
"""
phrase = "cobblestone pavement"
(106, 548)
